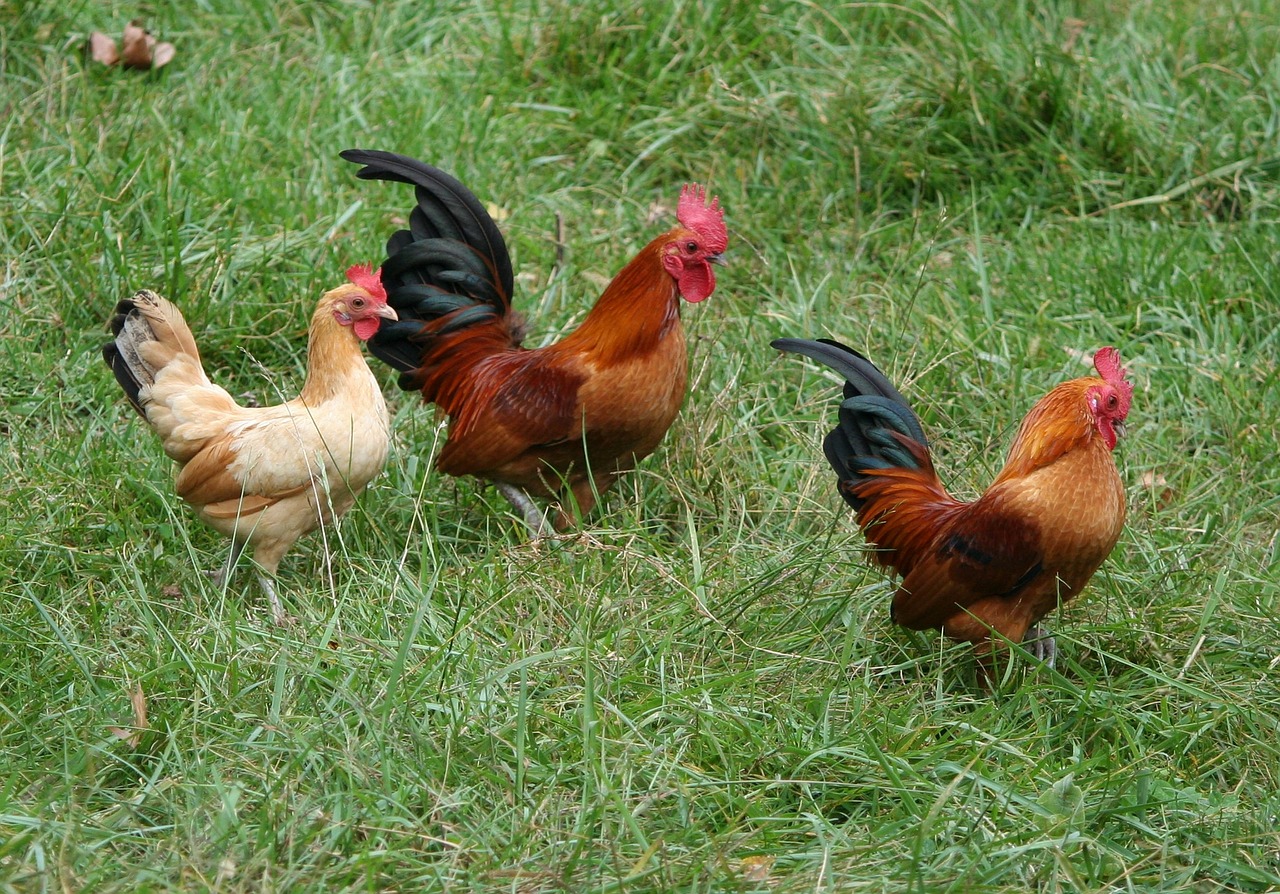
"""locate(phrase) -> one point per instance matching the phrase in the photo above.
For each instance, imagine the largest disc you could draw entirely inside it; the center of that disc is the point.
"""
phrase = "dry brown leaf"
(103, 49)
(134, 735)
(162, 54)
(756, 869)
(1161, 492)
(136, 45)
(138, 49)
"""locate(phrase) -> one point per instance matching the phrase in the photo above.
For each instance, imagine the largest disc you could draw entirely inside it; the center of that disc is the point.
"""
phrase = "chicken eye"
(357, 303)
(691, 247)
(1111, 401)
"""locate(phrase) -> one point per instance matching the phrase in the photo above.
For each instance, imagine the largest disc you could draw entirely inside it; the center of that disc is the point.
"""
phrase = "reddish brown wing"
(988, 550)
(531, 404)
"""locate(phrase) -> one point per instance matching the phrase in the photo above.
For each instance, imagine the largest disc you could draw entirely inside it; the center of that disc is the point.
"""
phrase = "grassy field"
(710, 696)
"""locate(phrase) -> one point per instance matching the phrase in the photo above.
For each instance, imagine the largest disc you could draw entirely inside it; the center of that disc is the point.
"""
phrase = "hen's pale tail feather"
(150, 333)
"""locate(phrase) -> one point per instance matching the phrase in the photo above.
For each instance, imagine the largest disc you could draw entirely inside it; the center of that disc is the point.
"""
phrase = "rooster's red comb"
(705, 220)
(1107, 362)
(364, 276)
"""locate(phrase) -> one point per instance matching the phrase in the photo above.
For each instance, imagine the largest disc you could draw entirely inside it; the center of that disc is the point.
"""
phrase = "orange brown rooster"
(561, 421)
(263, 476)
(1032, 541)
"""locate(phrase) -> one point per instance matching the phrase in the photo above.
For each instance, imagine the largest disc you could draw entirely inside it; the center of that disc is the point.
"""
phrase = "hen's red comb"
(705, 220)
(364, 276)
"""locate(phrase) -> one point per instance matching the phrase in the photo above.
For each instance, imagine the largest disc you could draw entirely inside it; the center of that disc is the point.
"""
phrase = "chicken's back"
(156, 361)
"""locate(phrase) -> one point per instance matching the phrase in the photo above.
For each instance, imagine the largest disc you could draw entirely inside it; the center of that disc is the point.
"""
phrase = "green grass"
(711, 697)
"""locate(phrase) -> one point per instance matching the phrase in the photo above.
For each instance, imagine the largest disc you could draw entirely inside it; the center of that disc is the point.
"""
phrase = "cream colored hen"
(263, 476)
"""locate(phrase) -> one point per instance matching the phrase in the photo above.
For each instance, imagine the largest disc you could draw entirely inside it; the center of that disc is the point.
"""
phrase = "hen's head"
(696, 244)
(362, 302)
(1109, 401)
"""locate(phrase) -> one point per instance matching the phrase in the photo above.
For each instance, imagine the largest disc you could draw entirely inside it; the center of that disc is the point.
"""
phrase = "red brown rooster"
(263, 476)
(1031, 542)
(561, 421)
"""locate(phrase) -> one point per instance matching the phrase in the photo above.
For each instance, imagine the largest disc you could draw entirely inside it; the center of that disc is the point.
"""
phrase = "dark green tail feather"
(872, 416)
(452, 259)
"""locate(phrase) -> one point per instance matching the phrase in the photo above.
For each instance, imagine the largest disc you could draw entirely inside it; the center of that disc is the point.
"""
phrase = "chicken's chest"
(1078, 505)
(340, 443)
(630, 403)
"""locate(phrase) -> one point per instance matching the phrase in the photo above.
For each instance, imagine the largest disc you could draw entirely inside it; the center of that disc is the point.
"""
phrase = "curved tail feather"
(877, 429)
(149, 333)
(449, 271)
(880, 454)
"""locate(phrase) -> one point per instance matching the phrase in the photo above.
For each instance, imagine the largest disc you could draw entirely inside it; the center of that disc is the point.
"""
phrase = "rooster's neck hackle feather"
(639, 308)
(1059, 423)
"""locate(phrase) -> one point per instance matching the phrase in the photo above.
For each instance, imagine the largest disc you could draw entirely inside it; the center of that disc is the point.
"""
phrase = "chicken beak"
(718, 260)
(1118, 425)
(387, 312)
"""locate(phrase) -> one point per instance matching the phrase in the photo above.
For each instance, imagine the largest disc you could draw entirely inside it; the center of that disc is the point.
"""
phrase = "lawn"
(705, 694)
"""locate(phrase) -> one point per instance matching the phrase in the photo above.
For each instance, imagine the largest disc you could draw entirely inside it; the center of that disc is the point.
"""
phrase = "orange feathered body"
(577, 412)
(1031, 542)
(561, 421)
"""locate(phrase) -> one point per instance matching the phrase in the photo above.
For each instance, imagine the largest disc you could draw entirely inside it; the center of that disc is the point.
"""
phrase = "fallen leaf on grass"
(138, 49)
(134, 735)
(103, 49)
(1159, 487)
(756, 869)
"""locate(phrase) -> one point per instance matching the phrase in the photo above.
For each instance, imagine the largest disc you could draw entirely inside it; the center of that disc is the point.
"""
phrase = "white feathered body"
(264, 476)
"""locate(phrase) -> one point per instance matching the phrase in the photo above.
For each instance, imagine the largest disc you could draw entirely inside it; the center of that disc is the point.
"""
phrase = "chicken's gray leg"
(223, 574)
(1040, 643)
(279, 616)
(533, 516)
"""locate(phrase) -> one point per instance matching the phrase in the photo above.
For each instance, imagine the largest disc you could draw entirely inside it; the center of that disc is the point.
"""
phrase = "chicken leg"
(533, 516)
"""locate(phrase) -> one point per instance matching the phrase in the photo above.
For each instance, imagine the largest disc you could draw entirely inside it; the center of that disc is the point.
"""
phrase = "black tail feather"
(452, 260)
(446, 210)
(117, 353)
(874, 418)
